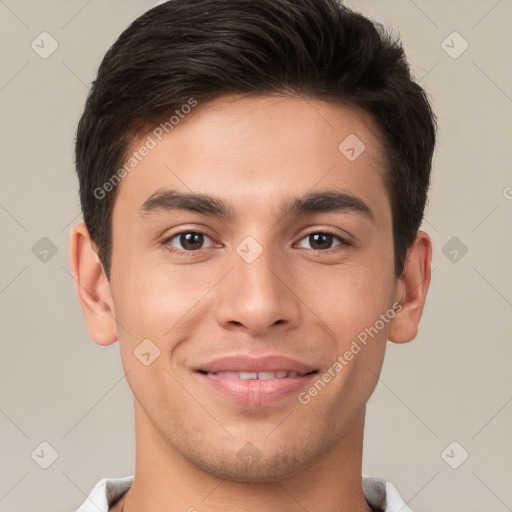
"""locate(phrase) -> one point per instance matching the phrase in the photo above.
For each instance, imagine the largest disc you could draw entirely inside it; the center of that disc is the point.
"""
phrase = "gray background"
(451, 384)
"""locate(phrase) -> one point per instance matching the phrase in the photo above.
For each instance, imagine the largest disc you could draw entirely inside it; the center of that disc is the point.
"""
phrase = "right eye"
(188, 241)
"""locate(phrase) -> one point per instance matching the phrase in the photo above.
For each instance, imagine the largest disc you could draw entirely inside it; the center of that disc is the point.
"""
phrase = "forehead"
(254, 150)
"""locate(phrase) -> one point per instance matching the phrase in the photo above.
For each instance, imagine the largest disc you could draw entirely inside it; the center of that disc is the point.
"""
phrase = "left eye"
(190, 241)
(320, 241)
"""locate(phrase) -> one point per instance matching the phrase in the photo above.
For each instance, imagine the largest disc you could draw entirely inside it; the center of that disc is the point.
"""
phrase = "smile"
(258, 375)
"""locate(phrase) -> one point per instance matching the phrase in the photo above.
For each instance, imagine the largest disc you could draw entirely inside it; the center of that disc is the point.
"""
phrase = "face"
(248, 244)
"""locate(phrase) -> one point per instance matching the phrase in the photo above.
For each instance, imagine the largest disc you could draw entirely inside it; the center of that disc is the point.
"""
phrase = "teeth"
(248, 375)
(233, 375)
(259, 376)
(266, 375)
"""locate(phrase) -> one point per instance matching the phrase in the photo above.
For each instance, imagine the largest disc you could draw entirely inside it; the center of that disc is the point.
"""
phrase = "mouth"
(283, 374)
(255, 382)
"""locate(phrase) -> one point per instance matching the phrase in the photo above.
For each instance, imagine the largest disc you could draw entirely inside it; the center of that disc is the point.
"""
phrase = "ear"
(411, 290)
(92, 286)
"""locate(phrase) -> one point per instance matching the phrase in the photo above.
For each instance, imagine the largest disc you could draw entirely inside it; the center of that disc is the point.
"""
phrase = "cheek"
(155, 307)
(349, 297)
(155, 300)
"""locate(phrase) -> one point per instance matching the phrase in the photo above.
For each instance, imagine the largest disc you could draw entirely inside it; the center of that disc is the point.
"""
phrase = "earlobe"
(412, 290)
(92, 287)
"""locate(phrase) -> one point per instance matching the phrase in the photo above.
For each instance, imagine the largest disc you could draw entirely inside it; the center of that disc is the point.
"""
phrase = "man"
(253, 177)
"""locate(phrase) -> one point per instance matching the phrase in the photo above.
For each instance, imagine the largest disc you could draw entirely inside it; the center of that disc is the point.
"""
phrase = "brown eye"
(321, 241)
(189, 241)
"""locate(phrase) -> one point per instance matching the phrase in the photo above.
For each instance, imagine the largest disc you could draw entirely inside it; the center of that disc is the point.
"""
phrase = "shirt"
(379, 494)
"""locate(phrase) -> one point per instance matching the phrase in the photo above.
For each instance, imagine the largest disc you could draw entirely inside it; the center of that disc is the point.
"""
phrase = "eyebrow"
(168, 200)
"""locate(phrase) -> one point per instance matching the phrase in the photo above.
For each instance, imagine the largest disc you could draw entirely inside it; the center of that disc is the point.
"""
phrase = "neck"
(166, 481)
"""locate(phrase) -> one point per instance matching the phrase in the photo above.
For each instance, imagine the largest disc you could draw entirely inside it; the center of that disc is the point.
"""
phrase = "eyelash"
(179, 252)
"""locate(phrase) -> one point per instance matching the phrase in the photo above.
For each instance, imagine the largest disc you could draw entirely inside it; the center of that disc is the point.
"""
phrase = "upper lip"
(246, 363)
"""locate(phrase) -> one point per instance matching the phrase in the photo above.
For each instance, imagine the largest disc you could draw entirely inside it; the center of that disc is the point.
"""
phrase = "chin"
(249, 465)
(256, 472)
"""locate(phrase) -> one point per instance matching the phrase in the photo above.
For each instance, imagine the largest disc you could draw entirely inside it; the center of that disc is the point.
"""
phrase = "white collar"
(379, 494)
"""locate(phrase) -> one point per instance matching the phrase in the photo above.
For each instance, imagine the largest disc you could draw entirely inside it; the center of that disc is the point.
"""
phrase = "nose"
(256, 298)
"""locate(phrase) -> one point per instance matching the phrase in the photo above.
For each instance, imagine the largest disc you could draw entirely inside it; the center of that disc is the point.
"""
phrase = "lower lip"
(255, 392)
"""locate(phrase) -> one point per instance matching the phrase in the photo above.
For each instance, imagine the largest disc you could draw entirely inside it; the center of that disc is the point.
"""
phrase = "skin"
(253, 153)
